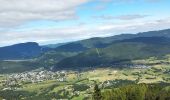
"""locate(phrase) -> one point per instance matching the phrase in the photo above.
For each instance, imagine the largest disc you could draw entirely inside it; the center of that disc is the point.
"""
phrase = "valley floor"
(45, 85)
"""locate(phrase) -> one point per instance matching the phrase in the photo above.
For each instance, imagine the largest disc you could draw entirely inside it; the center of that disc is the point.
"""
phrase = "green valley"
(78, 85)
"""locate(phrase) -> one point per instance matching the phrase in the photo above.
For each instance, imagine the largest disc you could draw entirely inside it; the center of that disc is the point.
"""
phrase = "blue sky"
(57, 21)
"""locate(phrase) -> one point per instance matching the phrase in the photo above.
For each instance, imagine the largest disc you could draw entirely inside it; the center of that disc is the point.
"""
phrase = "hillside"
(17, 66)
(74, 48)
(111, 50)
(49, 59)
(21, 51)
(100, 42)
(31, 49)
(119, 52)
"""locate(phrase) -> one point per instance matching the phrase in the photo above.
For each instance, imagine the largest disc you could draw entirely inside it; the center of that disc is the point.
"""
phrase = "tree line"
(134, 92)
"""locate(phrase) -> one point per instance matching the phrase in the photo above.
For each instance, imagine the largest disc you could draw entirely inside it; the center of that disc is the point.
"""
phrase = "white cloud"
(17, 12)
(49, 35)
(122, 17)
(14, 12)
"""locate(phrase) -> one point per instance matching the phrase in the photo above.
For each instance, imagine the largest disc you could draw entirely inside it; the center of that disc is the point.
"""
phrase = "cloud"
(121, 17)
(102, 4)
(73, 33)
(15, 12)
(18, 12)
(130, 17)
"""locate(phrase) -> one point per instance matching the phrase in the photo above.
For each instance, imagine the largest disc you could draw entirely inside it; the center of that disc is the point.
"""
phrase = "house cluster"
(140, 66)
(33, 77)
(137, 66)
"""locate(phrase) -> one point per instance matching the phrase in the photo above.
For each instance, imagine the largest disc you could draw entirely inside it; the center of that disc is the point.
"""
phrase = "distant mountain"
(101, 42)
(21, 51)
(149, 40)
(74, 48)
(91, 52)
(160, 33)
(53, 45)
(119, 52)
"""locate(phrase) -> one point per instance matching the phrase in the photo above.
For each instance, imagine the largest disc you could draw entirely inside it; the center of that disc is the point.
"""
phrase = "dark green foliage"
(17, 66)
(80, 87)
(138, 92)
(117, 53)
(97, 93)
(15, 95)
(50, 58)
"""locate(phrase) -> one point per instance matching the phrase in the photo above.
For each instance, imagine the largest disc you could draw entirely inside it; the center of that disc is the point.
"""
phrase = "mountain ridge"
(119, 52)
(21, 51)
(71, 55)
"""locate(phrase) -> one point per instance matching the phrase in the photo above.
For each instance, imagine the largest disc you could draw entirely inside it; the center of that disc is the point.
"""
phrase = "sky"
(58, 21)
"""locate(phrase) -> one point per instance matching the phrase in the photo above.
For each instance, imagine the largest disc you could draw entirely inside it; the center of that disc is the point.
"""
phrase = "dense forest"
(134, 92)
(127, 92)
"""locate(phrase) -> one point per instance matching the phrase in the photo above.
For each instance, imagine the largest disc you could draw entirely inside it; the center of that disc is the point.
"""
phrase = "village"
(17, 79)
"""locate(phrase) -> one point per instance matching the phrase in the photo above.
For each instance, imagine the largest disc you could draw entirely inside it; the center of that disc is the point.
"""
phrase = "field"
(79, 85)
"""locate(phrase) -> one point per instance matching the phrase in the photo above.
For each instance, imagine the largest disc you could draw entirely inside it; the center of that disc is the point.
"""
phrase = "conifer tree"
(97, 93)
